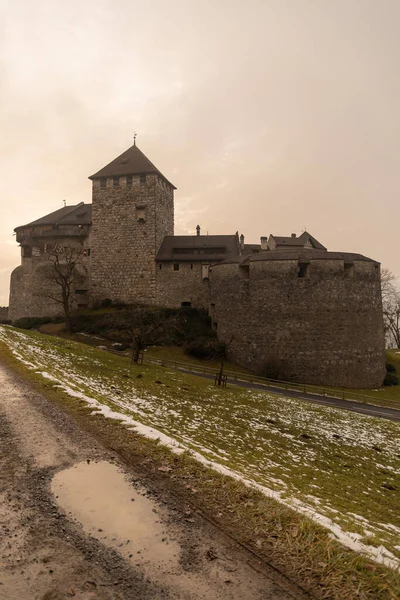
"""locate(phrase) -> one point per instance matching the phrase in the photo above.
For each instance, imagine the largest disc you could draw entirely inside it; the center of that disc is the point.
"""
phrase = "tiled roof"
(80, 214)
(130, 162)
(251, 248)
(198, 248)
(300, 241)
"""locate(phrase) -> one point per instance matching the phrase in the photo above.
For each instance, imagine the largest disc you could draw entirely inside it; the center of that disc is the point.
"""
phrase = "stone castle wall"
(183, 286)
(129, 224)
(4, 313)
(33, 282)
(325, 329)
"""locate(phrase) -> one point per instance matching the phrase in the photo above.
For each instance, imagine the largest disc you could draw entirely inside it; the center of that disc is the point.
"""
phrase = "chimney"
(293, 235)
(264, 243)
(242, 242)
(198, 229)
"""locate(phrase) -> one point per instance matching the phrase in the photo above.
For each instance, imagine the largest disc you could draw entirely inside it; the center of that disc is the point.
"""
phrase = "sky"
(270, 116)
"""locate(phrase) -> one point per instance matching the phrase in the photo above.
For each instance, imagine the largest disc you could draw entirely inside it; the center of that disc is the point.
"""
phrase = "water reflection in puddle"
(111, 510)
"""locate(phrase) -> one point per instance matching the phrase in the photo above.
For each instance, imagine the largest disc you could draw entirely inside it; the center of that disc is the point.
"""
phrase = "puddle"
(98, 496)
(111, 510)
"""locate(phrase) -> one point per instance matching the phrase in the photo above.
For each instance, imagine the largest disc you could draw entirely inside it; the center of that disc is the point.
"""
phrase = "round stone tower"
(315, 316)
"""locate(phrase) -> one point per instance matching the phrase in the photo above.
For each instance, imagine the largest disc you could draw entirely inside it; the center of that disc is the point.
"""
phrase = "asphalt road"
(382, 412)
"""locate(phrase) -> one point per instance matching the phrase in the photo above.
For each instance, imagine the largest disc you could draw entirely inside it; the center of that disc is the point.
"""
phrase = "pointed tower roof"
(130, 162)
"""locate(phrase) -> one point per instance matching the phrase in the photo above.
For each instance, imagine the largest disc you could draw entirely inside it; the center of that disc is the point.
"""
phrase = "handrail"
(276, 383)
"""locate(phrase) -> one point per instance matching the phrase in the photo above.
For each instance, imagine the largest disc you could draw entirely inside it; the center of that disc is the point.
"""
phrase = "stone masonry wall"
(31, 284)
(128, 226)
(185, 285)
(3, 313)
(326, 329)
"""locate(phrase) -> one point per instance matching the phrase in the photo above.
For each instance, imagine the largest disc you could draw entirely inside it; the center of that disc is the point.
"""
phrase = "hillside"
(339, 469)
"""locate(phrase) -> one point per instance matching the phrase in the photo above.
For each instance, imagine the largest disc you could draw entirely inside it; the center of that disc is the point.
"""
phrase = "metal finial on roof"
(65, 202)
(134, 138)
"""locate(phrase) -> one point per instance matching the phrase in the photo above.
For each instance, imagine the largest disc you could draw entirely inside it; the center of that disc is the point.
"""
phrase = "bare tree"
(144, 327)
(391, 314)
(391, 307)
(63, 271)
(388, 283)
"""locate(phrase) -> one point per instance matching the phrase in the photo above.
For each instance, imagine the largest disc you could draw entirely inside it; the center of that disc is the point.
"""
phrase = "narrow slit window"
(160, 266)
(176, 266)
(129, 180)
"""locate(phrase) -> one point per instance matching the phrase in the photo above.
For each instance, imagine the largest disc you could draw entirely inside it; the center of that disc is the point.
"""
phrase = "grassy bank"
(340, 469)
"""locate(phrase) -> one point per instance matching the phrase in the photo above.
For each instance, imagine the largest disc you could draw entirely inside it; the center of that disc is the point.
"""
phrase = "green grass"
(178, 354)
(388, 396)
(327, 459)
(312, 458)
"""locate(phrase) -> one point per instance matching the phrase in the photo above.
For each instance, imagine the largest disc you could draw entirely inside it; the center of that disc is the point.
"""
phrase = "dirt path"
(74, 523)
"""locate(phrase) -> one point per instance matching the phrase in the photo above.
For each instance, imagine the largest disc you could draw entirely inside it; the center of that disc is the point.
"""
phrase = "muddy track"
(71, 543)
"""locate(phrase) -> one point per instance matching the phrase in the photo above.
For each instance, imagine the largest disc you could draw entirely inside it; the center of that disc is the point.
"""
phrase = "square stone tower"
(133, 210)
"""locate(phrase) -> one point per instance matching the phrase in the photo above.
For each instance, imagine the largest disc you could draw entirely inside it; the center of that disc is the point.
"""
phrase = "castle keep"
(286, 301)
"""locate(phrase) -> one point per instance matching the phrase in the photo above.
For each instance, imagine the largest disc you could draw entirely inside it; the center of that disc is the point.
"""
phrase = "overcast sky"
(268, 115)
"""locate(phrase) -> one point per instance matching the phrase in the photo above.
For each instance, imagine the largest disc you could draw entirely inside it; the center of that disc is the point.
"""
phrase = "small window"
(141, 213)
(186, 304)
(115, 181)
(215, 325)
(160, 266)
(143, 180)
(304, 270)
(176, 266)
(244, 271)
(348, 270)
(205, 269)
(103, 184)
(129, 180)
(27, 251)
(191, 266)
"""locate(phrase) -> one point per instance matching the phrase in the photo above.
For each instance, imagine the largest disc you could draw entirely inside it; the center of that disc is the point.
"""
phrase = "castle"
(286, 299)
